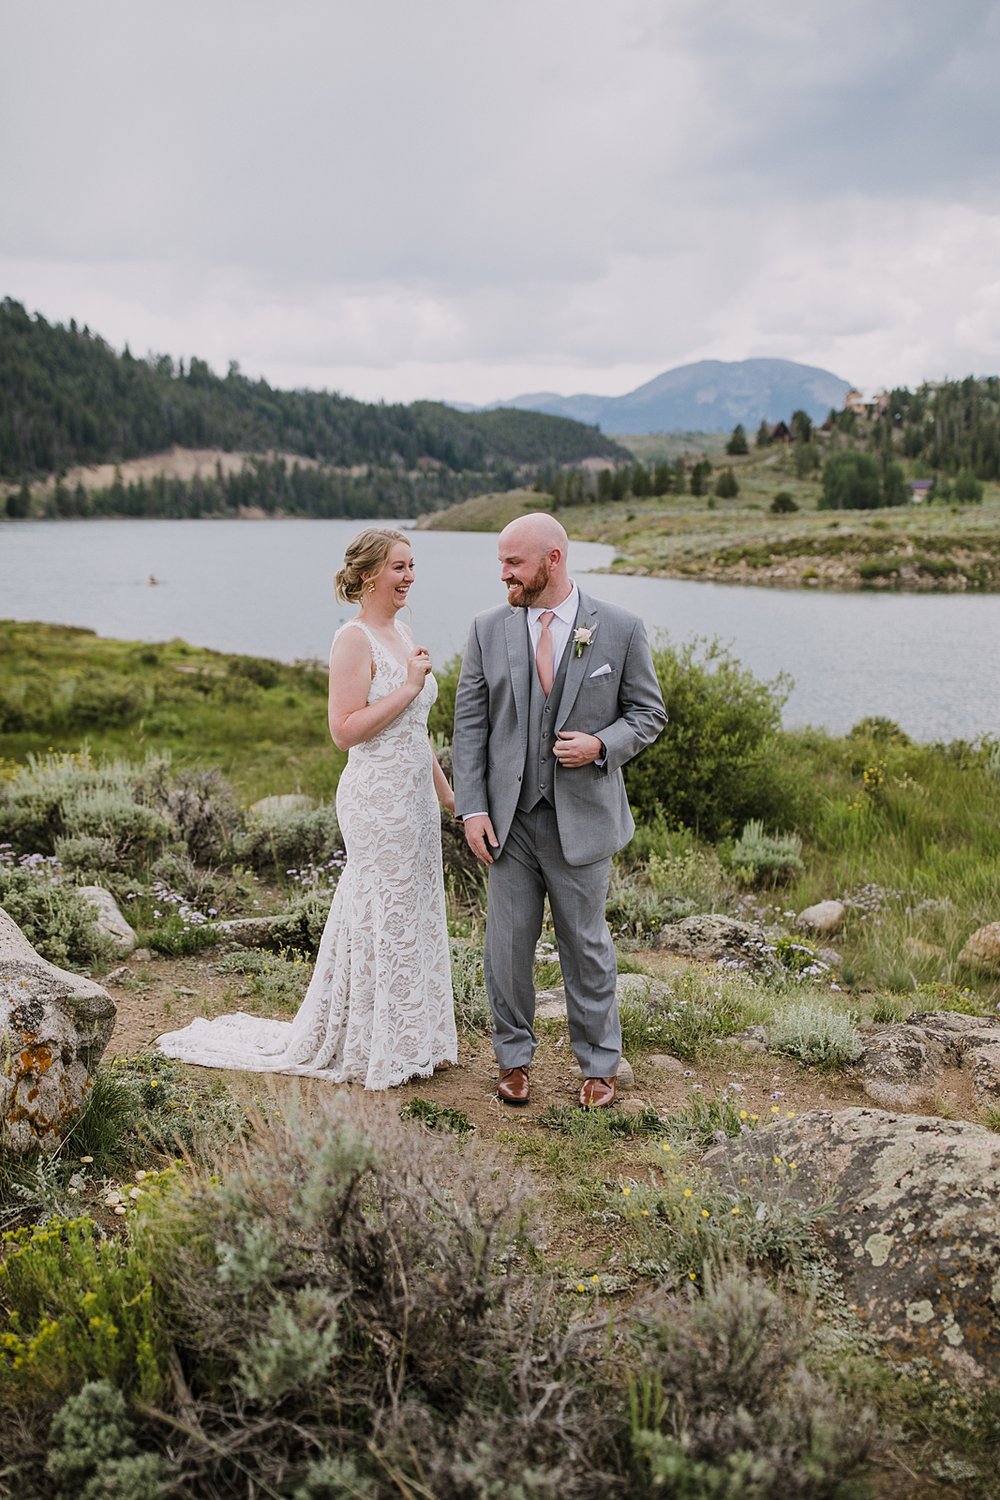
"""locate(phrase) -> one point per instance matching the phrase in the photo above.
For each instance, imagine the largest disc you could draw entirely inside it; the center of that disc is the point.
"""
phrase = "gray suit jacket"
(623, 707)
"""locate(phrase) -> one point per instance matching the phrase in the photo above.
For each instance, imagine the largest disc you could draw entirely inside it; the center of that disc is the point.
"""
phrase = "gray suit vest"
(540, 763)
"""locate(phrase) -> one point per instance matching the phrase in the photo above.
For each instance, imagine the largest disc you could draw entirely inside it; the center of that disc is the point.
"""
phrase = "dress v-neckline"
(372, 636)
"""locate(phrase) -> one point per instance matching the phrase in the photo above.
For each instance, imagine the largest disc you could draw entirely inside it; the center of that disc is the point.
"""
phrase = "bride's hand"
(417, 667)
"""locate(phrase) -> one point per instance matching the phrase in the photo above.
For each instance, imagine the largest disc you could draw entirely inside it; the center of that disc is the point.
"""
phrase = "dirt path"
(165, 994)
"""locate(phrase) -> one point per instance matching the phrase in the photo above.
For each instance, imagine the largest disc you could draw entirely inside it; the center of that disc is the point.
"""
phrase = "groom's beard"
(522, 594)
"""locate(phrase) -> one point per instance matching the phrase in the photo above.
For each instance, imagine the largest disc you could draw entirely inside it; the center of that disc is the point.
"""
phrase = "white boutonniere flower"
(582, 636)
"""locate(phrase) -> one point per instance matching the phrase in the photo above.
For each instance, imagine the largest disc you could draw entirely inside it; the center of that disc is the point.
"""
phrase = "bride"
(379, 1006)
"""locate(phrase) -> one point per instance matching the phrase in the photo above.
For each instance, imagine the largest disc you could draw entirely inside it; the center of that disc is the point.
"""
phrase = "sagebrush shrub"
(197, 801)
(275, 844)
(93, 1452)
(348, 1301)
(759, 858)
(55, 918)
(815, 1033)
(725, 1407)
(472, 1005)
(135, 832)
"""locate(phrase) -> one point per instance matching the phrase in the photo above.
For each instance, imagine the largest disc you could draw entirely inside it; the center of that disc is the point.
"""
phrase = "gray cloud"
(468, 200)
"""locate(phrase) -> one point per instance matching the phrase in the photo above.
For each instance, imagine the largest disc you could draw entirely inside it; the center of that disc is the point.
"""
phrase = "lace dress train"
(379, 1007)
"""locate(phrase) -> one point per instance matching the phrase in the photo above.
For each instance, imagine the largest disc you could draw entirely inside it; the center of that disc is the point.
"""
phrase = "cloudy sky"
(465, 200)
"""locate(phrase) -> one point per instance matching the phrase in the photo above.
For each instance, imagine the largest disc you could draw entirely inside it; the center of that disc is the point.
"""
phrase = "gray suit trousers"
(529, 866)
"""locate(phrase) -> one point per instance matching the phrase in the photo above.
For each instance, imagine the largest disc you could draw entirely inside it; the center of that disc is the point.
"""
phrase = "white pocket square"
(602, 671)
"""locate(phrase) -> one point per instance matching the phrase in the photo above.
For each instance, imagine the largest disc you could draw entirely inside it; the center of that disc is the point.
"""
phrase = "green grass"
(687, 536)
(262, 723)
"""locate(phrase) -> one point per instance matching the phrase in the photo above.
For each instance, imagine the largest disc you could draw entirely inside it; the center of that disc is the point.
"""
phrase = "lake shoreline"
(969, 573)
(268, 592)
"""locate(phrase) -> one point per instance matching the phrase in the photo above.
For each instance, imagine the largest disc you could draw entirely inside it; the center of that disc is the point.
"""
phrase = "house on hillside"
(866, 406)
(780, 433)
(920, 490)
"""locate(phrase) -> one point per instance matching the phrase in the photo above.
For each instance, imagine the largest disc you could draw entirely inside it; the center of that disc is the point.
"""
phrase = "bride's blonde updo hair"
(366, 554)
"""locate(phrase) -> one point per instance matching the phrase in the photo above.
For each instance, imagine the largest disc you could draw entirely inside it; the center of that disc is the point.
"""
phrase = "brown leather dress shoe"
(597, 1093)
(512, 1086)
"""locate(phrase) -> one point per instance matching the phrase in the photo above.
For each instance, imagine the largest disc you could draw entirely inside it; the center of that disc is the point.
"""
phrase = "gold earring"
(369, 588)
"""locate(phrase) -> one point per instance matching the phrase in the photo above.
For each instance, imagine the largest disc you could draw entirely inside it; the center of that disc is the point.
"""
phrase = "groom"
(557, 692)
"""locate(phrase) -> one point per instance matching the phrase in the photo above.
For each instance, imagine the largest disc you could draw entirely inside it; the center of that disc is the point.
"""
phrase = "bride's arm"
(351, 717)
(442, 787)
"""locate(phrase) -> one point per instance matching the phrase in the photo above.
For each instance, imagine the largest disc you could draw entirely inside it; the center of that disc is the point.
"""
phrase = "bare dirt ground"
(165, 994)
(173, 463)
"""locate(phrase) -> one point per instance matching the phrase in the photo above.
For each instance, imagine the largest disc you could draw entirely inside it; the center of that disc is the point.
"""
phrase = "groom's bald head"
(533, 560)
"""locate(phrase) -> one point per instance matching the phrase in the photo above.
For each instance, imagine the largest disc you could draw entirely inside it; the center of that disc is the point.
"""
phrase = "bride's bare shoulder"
(350, 644)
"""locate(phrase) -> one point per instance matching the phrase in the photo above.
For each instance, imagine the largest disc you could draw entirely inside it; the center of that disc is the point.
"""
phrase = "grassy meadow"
(740, 540)
(219, 1288)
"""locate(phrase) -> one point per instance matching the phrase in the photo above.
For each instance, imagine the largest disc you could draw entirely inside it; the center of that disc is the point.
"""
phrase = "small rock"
(900, 1065)
(830, 956)
(550, 1005)
(984, 1061)
(182, 989)
(664, 1063)
(712, 937)
(142, 955)
(249, 932)
(982, 950)
(825, 918)
(119, 975)
(110, 923)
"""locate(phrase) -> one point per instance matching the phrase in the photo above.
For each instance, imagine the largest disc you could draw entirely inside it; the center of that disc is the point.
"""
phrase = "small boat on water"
(152, 579)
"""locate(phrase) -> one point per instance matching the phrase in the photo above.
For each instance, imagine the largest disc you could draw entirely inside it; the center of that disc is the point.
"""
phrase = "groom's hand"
(574, 748)
(480, 837)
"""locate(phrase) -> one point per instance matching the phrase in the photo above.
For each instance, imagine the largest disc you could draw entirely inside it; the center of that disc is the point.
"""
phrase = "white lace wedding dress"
(379, 1006)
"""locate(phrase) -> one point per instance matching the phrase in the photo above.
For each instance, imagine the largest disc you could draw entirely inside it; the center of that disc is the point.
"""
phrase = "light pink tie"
(544, 652)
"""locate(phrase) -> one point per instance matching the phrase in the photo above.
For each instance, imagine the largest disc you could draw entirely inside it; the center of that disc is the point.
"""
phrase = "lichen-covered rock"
(823, 919)
(712, 938)
(249, 932)
(54, 1027)
(110, 922)
(900, 1066)
(911, 1221)
(982, 950)
(970, 1042)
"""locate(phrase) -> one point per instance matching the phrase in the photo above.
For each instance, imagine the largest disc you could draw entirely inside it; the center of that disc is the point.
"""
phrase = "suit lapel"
(577, 665)
(518, 656)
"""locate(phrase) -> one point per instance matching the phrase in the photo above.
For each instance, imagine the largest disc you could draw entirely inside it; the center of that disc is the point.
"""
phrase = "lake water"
(265, 588)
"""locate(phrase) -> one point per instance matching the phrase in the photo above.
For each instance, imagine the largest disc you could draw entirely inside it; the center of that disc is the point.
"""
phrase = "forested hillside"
(944, 427)
(67, 398)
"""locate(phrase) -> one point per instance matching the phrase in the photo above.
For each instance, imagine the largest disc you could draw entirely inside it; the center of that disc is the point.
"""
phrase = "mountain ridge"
(710, 395)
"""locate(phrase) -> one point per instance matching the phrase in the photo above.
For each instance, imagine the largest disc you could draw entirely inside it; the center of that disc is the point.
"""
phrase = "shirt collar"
(566, 611)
